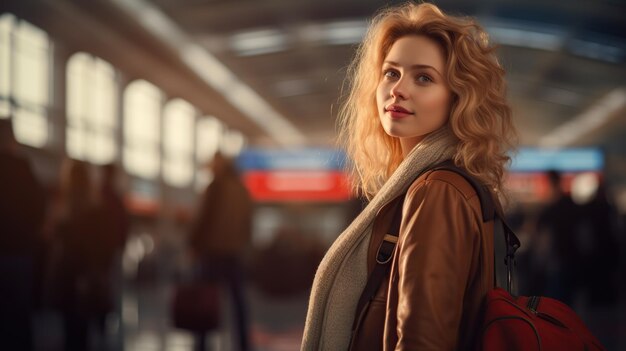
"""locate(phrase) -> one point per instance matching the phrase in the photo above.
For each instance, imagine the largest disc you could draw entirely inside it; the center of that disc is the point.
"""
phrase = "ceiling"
(564, 60)
(284, 50)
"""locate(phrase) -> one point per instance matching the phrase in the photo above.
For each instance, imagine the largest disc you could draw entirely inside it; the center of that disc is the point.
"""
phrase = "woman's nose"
(397, 90)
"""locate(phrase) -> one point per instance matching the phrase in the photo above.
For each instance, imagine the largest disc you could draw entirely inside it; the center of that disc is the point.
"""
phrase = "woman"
(426, 87)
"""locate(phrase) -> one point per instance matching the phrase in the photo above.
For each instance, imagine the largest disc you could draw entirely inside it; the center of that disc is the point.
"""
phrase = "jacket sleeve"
(438, 243)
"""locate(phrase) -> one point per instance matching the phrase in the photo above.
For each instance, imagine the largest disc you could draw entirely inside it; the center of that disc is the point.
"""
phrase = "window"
(142, 129)
(178, 124)
(208, 136)
(25, 79)
(6, 26)
(91, 109)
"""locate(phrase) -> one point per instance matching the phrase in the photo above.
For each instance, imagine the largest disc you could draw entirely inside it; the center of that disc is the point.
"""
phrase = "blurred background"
(118, 109)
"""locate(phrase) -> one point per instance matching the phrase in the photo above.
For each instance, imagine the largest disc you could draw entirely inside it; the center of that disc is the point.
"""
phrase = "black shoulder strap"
(388, 245)
(503, 235)
(383, 257)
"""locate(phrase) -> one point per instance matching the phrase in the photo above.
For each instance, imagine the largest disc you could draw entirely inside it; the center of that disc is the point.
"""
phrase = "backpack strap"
(504, 237)
(383, 259)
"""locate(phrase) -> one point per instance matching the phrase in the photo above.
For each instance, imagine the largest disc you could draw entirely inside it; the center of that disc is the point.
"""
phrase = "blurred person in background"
(555, 251)
(600, 257)
(599, 273)
(82, 248)
(219, 237)
(115, 229)
(22, 211)
(426, 89)
(113, 209)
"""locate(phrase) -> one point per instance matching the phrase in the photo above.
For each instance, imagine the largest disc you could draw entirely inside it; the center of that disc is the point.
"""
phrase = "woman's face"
(412, 97)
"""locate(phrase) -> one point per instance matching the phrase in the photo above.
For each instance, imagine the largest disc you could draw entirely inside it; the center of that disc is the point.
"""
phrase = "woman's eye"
(422, 78)
(390, 74)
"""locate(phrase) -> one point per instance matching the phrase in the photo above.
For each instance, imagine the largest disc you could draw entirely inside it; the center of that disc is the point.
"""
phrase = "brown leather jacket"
(441, 269)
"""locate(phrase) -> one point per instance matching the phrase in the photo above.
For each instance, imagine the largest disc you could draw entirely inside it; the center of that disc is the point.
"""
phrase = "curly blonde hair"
(480, 117)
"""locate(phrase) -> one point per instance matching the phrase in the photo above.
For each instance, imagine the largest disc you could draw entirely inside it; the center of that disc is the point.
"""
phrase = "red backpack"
(532, 323)
(522, 323)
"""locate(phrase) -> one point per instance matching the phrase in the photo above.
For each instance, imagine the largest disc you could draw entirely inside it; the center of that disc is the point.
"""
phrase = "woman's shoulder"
(444, 180)
(443, 192)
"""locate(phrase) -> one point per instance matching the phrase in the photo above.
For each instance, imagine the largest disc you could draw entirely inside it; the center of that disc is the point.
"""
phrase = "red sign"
(139, 205)
(302, 185)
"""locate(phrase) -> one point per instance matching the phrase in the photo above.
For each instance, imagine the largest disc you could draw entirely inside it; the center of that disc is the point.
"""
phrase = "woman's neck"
(407, 144)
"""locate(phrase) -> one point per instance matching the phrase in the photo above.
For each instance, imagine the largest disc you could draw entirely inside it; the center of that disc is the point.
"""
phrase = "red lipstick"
(397, 111)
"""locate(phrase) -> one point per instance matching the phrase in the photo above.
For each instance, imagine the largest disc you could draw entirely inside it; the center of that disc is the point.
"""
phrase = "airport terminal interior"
(141, 95)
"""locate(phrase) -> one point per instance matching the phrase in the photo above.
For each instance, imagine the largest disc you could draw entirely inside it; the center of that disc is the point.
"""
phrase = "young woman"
(426, 87)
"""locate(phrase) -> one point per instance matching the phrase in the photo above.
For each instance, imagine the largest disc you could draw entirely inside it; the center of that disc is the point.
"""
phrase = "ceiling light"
(258, 42)
(344, 32)
(590, 120)
(525, 34)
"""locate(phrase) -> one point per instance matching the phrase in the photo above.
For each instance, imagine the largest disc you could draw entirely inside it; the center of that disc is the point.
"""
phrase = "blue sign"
(296, 159)
(565, 160)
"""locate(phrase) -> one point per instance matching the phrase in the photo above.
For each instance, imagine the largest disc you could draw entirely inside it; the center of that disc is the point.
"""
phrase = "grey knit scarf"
(342, 274)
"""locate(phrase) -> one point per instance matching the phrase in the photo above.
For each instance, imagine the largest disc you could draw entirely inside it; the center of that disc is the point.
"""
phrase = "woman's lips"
(397, 112)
